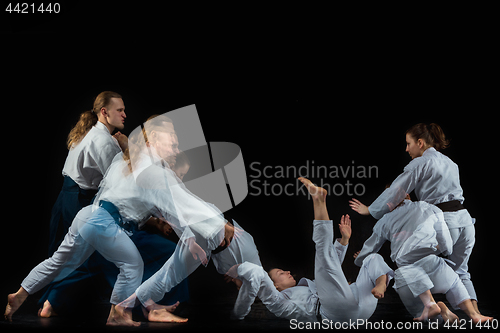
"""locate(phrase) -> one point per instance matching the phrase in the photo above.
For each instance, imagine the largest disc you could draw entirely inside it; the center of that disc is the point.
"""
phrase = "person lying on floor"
(329, 295)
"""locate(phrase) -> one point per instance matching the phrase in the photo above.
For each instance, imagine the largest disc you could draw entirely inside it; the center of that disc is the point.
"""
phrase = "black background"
(342, 102)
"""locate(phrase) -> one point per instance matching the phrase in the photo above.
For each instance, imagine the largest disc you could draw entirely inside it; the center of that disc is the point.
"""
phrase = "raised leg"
(335, 294)
(318, 195)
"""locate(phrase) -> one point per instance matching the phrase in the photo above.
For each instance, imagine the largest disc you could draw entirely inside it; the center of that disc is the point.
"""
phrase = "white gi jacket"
(415, 229)
(88, 161)
(156, 190)
(435, 179)
(300, 302)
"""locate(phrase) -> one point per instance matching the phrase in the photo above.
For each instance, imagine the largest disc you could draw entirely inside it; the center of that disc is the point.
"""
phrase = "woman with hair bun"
(435, 179)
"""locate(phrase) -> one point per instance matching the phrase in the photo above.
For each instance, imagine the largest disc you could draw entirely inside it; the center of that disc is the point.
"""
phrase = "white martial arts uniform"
(429, 273)
(417, 232)
(203, 224)
(330, 295)
(196, 222)
(88, 161)
(163, 195)
(83, 170)
(125, 197)
(155, 191)
(100, 227)
(242, 249)
(435, 179)
(168, 196)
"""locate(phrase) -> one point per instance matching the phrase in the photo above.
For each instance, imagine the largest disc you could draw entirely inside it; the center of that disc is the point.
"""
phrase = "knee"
(374, 257)
(138, 265)
(322, 232)
(458, 293)
(465, 277)
(134, 268)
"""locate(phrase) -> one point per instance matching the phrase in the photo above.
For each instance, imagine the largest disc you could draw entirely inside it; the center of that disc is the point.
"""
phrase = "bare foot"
(120, 316)
(164, 316)
(169, 308)
(14, 301)
(431, 310)
(316, 192)
(474, 304)
(467, 307)
(447, 315)
(379, 290)
(47, 311)
(479, 318)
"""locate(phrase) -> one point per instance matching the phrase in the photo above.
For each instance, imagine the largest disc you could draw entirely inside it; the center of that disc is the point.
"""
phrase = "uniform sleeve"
(340, 250)
(171, 198)
(392, 196)
(371, 245)
(256, 283)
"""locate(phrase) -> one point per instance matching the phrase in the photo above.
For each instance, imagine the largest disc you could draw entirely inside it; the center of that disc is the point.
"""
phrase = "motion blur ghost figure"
(138, 184)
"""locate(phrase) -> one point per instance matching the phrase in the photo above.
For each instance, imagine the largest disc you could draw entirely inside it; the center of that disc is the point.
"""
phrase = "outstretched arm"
(357, 206)
(371, 245)
(256, 283)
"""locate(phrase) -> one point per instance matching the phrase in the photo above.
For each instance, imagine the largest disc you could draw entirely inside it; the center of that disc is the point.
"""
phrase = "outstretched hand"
(345, 229)
(357, 206)
(237, 282)
(197, 252)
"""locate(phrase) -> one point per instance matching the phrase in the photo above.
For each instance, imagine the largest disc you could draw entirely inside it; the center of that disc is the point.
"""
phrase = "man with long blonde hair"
(91, 151)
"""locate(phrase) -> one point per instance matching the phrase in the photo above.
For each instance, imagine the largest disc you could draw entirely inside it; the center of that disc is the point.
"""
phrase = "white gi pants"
(241, 249)
(463, 242)
(178, 267)
(339, 300)
(429, 273)
(91, 231)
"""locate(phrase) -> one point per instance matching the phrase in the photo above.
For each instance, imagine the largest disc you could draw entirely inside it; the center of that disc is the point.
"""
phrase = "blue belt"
(115, 214)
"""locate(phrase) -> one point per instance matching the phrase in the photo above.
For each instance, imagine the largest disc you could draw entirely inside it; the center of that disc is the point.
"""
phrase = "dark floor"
(211, 315)
(211, 301)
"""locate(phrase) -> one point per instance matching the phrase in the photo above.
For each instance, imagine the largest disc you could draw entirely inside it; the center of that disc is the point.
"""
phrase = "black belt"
(316, 310)
(115, 214)
(224, 246)
(450, 206)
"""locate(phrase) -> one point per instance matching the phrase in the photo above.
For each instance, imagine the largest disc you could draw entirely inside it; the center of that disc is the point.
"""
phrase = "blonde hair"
(161, 123)
(138, 140)
(89, 118)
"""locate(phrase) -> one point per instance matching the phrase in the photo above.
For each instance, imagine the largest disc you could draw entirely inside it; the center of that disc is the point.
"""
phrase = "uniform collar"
(101, 126)
(431, 149)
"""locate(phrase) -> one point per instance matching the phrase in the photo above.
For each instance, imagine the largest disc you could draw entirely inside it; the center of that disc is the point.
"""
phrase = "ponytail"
(84, 124)
(437, 133)
(432, 134)
(89, 118)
